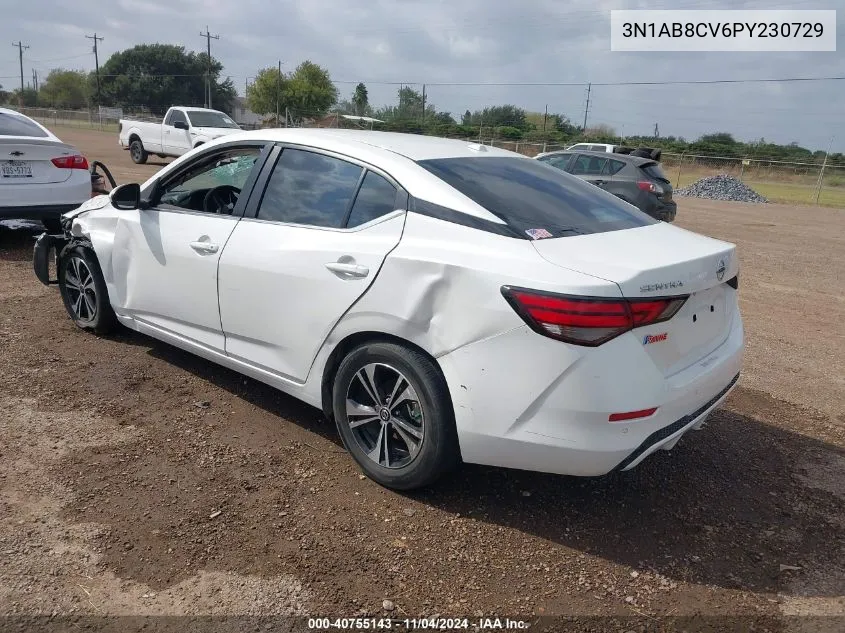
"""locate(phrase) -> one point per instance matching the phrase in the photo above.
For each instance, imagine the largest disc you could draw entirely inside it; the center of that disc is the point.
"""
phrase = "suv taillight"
(588, 321)
(70, 162)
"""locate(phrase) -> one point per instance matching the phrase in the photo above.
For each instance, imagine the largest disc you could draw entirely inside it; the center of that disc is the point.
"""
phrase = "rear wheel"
(394, 414)
(137, 152)
(83, 290)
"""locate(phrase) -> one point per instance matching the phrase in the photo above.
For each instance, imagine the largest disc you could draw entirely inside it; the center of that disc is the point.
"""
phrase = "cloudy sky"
(466, 41)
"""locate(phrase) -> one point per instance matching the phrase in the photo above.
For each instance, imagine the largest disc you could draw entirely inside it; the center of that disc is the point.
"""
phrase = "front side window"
(527, 195)
(309, 188)
(223, 172)
(177, 116)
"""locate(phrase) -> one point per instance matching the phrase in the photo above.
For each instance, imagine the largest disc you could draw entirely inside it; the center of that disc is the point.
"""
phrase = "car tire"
(84, 291)
(418, 442)
(137, 152)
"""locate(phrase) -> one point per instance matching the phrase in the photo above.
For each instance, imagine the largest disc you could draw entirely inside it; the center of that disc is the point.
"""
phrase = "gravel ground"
(721, 187)
(136, 479)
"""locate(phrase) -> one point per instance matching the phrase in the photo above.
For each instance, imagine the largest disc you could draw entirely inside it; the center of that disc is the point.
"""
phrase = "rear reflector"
(70, 162)
(588, 321)
(631, 415)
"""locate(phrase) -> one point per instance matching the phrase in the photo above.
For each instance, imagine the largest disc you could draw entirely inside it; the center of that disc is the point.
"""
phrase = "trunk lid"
(27, 161)
(661, 260)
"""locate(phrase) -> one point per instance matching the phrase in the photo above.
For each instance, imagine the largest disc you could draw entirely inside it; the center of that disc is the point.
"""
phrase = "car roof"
(634, 160)
(415, 147)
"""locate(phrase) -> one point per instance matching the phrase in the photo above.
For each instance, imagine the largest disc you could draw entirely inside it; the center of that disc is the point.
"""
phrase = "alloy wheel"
(385, 415)
(81, 291)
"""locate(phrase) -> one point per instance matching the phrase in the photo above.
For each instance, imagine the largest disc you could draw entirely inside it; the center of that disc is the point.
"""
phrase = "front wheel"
(394, 414)
(83, 290)
(137, 152)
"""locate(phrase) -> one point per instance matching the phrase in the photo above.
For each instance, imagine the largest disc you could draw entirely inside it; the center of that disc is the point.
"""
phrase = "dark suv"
(638, 181)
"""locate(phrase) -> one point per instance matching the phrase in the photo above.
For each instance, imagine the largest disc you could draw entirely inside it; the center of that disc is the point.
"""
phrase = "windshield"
(532, 197)
(211, 119)
(18, 125)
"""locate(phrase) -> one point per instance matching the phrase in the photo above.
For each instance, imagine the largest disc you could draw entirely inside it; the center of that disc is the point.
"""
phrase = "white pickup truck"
(181, 130)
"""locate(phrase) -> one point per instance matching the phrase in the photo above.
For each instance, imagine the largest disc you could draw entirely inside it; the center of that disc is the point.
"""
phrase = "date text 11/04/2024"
(409, 624)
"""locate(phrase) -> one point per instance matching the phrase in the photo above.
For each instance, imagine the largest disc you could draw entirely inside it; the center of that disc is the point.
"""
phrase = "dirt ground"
(136, 479)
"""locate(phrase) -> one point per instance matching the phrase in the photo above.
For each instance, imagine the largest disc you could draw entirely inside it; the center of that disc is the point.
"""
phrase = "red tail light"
(631, 415)
(588, 321)
(70, 162)
(645, 185)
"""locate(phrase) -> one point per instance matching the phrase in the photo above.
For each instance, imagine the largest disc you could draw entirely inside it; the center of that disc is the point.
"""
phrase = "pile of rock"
(721, 187)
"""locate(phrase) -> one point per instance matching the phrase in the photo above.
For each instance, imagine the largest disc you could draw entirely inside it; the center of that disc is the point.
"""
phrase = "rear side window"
(16, 125)
(613, 167)
(377, 197)
(527, 195)
(653, 170)
(599, 148)
(309, 188)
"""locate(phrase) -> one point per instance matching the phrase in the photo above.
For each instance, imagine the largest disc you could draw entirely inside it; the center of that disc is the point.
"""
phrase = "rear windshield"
(653, 170)
(532, 197)
(16, 125)
(211, 119)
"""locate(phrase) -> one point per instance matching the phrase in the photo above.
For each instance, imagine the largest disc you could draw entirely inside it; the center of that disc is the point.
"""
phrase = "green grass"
(781, 192)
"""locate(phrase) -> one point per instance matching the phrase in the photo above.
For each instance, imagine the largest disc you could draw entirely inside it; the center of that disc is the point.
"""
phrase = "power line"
(21, 49)
(96, 63)
(208, 37)
(553, 84)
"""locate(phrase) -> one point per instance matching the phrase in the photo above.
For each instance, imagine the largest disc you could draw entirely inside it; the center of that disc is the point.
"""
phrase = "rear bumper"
(552, 413)
(37, 212)
(665, 211)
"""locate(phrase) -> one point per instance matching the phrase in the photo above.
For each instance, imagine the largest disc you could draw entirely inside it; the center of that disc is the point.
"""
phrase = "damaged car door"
(165, 254)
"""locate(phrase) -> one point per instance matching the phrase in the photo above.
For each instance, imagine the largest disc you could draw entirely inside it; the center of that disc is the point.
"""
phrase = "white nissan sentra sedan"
(440, 300)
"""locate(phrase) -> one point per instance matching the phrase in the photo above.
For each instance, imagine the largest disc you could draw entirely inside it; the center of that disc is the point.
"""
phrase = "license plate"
(16, 169)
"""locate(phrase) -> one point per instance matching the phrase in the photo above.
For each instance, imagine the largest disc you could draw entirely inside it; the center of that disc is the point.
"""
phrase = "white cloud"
(436, 41)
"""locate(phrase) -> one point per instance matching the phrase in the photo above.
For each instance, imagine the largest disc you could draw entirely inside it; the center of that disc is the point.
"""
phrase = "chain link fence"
(778, 181)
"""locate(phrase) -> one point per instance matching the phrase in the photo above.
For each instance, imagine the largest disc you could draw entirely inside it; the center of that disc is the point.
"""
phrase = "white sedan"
(439, 300)
(40, 177)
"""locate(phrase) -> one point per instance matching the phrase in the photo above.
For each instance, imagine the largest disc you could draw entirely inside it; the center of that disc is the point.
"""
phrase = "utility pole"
(423, 104)
(278, 96)
(821, 173)
(587, 108)
(35, 79)
(656, 131)
(545, 117)
(208, 37)
(21, 49)
(96, 63)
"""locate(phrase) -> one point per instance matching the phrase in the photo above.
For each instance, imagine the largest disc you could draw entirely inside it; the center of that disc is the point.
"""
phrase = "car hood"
(215, 132)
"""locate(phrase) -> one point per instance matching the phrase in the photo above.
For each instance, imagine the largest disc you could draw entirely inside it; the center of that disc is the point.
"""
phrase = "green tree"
(159, 76)
(266, 91)
(30, 97)
(309, 91)
(64, 89)
(306, 92)
(361, 100)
